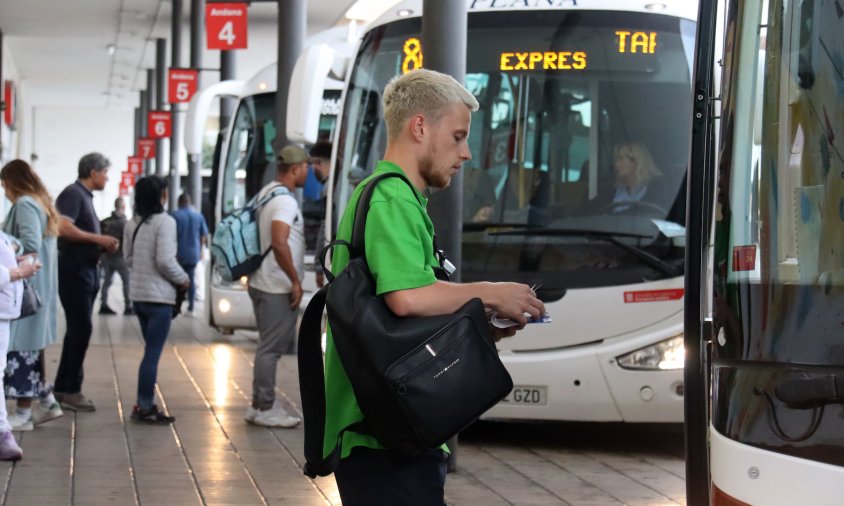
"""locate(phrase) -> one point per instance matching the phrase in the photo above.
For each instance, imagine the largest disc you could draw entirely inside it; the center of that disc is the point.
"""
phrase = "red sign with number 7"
(146, 149)
(226, 25)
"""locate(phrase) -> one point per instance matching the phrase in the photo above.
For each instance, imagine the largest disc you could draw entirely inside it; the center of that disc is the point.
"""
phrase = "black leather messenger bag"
(417, 380)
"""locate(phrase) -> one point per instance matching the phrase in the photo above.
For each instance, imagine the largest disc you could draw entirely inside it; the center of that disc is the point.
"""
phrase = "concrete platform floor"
(210, 456)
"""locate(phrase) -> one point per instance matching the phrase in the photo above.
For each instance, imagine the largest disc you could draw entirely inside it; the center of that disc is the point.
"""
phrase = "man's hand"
(186, 285)
(296, 295)
(320, 279)
(514, 300)
(109, 243)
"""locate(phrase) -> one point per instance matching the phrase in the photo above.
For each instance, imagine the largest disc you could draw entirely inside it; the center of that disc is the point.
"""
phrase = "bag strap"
(135, 234)
(446, 268)
(359, 224)
(277, 190)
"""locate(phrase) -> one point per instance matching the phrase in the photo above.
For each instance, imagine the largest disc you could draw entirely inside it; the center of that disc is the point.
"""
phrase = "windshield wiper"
(610, 237)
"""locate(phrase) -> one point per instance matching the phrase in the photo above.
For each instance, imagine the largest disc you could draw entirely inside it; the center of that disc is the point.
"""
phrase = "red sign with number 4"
(182, 84)
(146, 149)
(226, 25)
(158, 124)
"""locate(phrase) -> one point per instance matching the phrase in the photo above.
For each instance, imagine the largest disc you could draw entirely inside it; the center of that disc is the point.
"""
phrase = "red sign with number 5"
(182, 84)
(158, 124)
(226, 25)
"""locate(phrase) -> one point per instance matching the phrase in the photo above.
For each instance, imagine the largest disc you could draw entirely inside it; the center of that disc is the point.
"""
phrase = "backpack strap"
(359, 225)
(277, 190)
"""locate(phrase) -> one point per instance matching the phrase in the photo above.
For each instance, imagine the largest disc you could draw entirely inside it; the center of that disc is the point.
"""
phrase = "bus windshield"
(250, 150)
(579, 147)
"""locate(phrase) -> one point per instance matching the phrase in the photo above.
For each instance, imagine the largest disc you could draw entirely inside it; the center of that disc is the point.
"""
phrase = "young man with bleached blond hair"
(428, 115)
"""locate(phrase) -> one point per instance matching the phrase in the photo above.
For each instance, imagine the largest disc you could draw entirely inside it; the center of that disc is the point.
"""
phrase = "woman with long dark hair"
(34, 221)
(149, 247)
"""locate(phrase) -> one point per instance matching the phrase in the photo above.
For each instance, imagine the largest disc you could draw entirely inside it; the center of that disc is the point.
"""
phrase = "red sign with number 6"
(146, 149)
(226, 25)
(182, 84)
(158, 124)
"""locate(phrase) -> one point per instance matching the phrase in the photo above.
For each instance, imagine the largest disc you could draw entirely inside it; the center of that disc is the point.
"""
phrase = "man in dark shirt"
(113, 262)
(80, 244)
(192, 234)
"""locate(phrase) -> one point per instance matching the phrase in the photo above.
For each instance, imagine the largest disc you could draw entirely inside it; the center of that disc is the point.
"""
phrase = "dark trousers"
(370, 477)
(190, 269)
(110, 265)
(78, 286)
(155, 325)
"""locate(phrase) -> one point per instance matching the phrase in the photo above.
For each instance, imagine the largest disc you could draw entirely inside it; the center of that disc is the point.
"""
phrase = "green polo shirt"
(399, 251)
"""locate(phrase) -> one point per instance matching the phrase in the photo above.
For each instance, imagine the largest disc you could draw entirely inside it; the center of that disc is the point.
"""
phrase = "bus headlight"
(668, 354)
(224, 305)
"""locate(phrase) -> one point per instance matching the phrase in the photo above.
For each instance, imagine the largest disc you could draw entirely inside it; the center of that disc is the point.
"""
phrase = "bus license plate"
(523, 394)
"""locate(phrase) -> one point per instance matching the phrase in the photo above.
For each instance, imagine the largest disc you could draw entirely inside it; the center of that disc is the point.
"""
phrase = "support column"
(197, 31)
(292, 20)
(175, 109)
(444, 49)
(228, 66)
(160, 94)
(149, 104)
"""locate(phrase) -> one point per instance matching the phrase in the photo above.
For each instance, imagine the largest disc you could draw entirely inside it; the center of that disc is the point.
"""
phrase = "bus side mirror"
(307, 86)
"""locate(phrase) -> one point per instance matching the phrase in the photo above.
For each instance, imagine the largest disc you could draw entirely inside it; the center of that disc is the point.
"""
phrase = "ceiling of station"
(59, 48)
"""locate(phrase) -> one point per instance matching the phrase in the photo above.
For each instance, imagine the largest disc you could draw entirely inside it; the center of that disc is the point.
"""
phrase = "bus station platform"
(210, 456)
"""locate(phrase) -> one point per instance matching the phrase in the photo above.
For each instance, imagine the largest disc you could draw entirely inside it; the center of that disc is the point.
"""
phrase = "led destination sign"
(548, 60)
(627, 42)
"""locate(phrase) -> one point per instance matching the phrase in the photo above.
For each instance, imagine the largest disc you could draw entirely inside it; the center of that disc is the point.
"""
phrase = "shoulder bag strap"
(135, 234)
(359, 225)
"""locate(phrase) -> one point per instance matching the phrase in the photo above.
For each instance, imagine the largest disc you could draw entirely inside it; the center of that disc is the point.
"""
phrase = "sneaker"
(106, 310)
(40, 414)
(75, 402)
(151, 416)
(274, 417)
(19, 422)
(128, 311)
(9, 449)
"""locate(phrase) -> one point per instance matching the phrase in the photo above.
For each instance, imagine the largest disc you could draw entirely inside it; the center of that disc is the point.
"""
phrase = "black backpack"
(418, 381)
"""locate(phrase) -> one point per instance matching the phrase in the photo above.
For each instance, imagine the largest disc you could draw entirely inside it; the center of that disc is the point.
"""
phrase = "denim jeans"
(155, 325)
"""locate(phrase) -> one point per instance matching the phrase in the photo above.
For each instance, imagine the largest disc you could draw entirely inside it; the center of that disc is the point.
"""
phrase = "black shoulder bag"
(417, 380)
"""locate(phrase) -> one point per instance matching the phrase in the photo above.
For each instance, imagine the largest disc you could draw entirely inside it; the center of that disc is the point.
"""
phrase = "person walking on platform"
(113, 262)
(428, 116)
(12, 271)
(192, 233)
(80, 244)
(35, 223)
(276, 287)
(150, 250)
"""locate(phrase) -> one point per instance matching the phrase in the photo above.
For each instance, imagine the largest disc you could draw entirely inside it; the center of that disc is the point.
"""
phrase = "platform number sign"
(182, 84)
(135, 165)
(158, 124)
(226, 25)
(127, 180)
(146, 149)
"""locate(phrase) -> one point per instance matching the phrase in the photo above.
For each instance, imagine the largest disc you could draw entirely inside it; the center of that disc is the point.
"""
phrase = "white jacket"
(153, 269)
(10, 291)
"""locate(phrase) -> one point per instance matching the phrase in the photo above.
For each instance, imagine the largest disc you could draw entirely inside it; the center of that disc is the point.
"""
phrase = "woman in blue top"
(35, 223)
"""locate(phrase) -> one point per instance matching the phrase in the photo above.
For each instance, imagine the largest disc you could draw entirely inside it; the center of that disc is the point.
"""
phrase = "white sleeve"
(284, 208)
